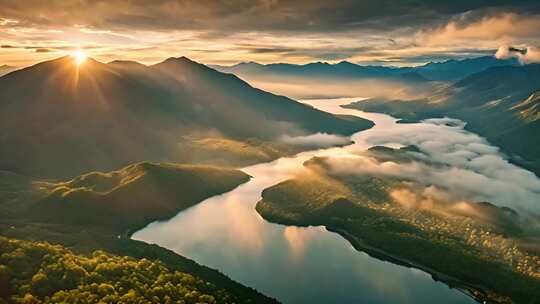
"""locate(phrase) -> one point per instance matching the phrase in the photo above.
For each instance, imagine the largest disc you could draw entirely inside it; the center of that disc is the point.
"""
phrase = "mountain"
(94, 215)
(449, 70)
(102, 116)
(458, 69)
(499, 103)
(528, 109)
(5, 69)
(38, 272)
(342, 70)
(133, 196)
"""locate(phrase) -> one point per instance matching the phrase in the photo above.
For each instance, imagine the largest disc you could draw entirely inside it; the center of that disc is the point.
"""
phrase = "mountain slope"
(133, 196)
(458, 69)
(102, 116)
(93, 211)
(499, 103)
(245, 109)
(31, 272)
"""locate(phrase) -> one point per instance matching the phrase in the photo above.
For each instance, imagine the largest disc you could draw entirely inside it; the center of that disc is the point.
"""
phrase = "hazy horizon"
(71, 54)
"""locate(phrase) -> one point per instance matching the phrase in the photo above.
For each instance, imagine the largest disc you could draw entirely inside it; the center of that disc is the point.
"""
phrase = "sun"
(79, 57)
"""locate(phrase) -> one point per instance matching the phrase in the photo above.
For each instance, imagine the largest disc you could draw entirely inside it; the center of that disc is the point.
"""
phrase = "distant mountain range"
(343, 69)
(434, 71)
(58, 120)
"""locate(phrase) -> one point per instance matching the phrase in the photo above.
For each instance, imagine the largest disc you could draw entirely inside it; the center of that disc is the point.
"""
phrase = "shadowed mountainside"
(343, 69)
(438, 71)
(101, 116)
(500, 103)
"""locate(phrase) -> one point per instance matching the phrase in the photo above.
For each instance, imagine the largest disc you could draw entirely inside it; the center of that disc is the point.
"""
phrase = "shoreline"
(468, 289)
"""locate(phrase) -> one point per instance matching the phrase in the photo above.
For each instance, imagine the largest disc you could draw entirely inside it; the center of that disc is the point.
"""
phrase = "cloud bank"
(399, 32)
(451, 159)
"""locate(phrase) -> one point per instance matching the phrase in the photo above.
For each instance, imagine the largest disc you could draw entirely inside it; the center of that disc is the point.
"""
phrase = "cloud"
(527, 55)
(504, 26)
(317, 140)
(400, 32)
(452, 160)
(43, 50)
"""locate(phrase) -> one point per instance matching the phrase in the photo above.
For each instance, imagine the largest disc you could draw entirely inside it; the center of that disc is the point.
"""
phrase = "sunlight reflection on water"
(310, 265)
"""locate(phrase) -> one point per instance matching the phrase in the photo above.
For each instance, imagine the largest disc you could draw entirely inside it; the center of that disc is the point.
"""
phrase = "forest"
(38, 272)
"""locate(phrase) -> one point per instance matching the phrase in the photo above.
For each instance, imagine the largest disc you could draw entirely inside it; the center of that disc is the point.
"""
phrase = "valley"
(499, 103)
(92, 215)
(296, 152)
(265, 247)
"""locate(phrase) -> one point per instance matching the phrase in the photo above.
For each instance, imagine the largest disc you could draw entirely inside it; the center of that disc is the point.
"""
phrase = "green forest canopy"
(32, 272)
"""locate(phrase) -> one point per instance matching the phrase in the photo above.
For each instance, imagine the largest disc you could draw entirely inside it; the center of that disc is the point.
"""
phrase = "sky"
(381, 32)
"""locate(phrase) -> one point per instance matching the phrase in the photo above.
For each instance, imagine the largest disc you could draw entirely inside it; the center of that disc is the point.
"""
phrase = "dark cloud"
(269, 30)
(259, 50)
(43, 50)
(443, 55)
(223, 16)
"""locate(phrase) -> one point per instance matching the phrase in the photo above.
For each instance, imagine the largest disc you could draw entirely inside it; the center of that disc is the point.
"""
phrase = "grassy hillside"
(475, 251)
(204, 150)
(98, 211)
(133, 196)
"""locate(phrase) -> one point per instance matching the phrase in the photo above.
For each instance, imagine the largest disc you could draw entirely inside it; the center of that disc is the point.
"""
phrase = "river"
(296, 264)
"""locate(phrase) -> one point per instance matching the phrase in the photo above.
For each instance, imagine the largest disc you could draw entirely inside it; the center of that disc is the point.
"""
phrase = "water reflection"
(292, 264)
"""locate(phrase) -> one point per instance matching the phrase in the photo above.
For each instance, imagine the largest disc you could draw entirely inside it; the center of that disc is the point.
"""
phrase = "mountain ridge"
(433, 71)
(101, 116)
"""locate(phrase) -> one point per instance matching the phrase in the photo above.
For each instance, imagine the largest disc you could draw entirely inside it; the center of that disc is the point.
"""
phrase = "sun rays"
(79, 57)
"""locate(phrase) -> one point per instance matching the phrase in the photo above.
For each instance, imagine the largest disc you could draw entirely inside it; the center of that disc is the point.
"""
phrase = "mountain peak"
(346, 63)
(181, 63)
(248, 63)
(65, 64)
(183, 60)
(125, 63)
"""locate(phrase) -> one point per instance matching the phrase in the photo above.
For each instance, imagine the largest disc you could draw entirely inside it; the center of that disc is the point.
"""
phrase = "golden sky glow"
(265, 31)
(79, 57)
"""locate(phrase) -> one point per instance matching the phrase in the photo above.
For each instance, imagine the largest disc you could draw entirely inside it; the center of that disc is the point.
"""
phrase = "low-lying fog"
(458, 162)
(309, 87)
(226, 233)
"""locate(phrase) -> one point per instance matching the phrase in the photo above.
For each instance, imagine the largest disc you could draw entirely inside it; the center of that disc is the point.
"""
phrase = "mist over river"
(313, 265)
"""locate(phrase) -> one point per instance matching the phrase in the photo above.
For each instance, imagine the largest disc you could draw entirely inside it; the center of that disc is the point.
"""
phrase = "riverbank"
(509, 134)
(99, 211)
(360, 210)
(478, 293)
